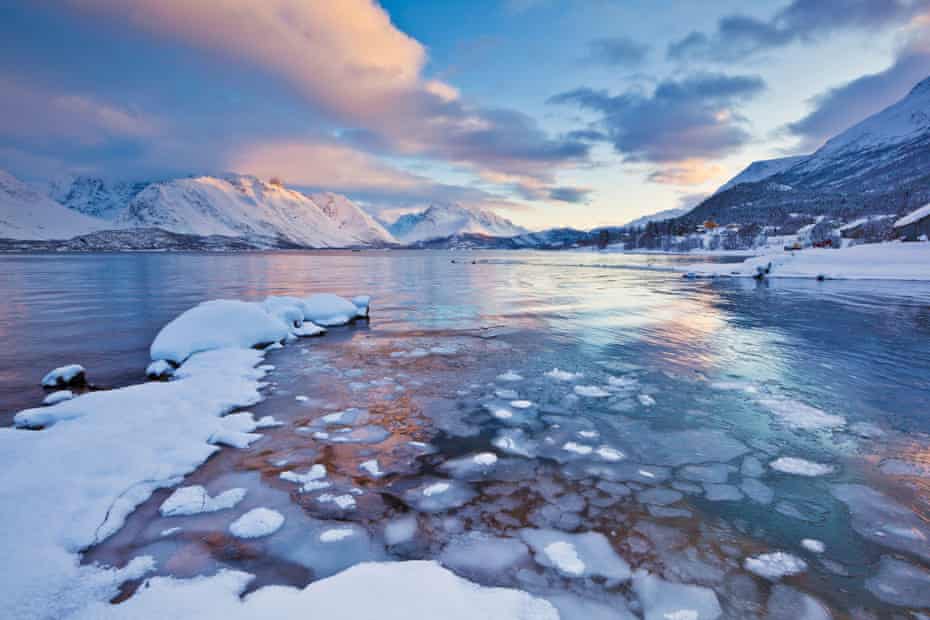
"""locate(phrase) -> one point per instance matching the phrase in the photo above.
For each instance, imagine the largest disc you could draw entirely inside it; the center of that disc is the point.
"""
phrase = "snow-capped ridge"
(438, 221)
(26, 213)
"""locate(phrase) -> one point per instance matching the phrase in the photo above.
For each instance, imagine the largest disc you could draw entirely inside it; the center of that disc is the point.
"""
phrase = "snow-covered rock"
(58, 396)
(217, 324)
(71, 374)
(27, 214)
(327, 309)
(439, 221)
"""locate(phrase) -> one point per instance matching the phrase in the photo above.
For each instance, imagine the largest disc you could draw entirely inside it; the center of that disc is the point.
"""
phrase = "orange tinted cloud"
(688, 172)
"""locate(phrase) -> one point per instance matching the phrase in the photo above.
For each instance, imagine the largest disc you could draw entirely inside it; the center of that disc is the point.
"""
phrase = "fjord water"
(675, 399)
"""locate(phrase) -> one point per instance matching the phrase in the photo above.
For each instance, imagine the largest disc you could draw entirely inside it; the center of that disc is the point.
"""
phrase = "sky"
(552, 113)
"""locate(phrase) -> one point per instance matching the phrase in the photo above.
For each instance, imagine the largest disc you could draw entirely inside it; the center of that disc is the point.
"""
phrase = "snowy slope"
(446, 220)
(667, 214)
(28, 214)
(763, 169)
(94, 196)
(239, 206)
(351, 219)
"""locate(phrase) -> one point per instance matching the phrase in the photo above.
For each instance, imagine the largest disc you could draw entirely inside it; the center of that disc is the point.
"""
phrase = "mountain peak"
(447, 219)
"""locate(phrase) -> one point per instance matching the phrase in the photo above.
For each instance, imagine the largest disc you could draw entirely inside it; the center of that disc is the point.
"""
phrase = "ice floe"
(801, 415)
(813, 545)
(576, 555)
(309, 481)
(775, 565)
(591, 391)
(437, 495)
(195, 500)
(883, 520)
(801, 467)
(563, 375)
(664, 600)
(257, 523)
(900, 583)
(510, 376)
(480, 554)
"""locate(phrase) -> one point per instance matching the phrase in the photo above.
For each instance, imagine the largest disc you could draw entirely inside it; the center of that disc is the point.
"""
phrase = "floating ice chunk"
(159, 369)
(476, 553)
(400, 530)
(883, 520)
(563, 375)
(588, 434)
(900, 467)
(609, 454)
(194, 500)
(801, 467)
(752, 467)
(787, 603)
(510, 375)
(515, 441)
(900, 583)
(335, 534)
(344, 501)
(577, 448)
(507, 394)
(773, 566)
(646, 400)
(217, 324)
(257, 523)
(501, 413)
(757, 491)
(56, 397)
(735, 386)
(716, 473)
(469, 467)
(372, 468)
(801, 415)
(328, 310)
(591, 391)
(363, 434)
(301, 398)
(72, 374)
(813, 545)
(267, 421)
(439, 495)
(663, 600)
(623, 383)
(659, 496)
(521, 404)
(675, 448)
(572, 607)
(310, 481)
(866, 430)
(722, 493)
(576, 555)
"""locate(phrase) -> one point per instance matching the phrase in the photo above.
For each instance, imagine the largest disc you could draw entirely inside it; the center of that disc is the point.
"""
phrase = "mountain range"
(879, 166)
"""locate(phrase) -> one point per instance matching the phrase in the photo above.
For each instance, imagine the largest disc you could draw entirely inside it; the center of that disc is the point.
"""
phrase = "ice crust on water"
(576, 555)
(195, 500)
(900, 583)
(883, 520)
(591, 391)
(309, 481)
(787, 603)
(510, 376)
(813, 545)
(563, 375)
(757, 491)
(664, 600)
(801, 467)
(722, 493)
(438, 495)
(388, 588)
(64, 376)
(801, 415)
(476, 553)
(257, 523)
(775, 565)
(400, 530)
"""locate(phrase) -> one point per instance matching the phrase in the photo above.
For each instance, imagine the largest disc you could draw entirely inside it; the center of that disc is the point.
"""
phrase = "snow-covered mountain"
(439, 221)
(659, 216)
(759, 170)
(247, 207)
(878, 166)
(94, 196)
(352, 219)
(26, 213)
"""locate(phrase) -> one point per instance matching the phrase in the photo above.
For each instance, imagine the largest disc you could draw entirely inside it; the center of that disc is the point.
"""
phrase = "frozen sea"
(551, 422)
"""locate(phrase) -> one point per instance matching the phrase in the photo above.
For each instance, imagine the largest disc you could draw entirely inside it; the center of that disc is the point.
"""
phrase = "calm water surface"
(683, 394)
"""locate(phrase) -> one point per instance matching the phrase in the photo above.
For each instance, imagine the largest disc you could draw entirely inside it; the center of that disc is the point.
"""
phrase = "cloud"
(616, 51)
(688, 172)
(348, 60)
(738, 36)
(841, 107)
(569, 194)
(691, 200)
(39, 113)
(680, 120)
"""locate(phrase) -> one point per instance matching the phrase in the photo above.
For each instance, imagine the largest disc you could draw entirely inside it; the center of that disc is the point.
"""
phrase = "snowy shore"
(879, 261)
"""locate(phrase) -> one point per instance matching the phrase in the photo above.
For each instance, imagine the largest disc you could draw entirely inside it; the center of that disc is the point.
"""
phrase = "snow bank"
(390, 591)
(73, 484)
(876, 261)
(327, 309)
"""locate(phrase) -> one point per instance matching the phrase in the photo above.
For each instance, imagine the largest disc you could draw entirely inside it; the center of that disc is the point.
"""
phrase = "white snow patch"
(64, 375)
(773, 566)
(813, 545)
(801, 467)
(310, 481)
(591, 391)
(336, 534)
(801, 415)
(372, 468)
(194, 500)
(257, 523)
(58, 396)
(563, 375)
(510, 375)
